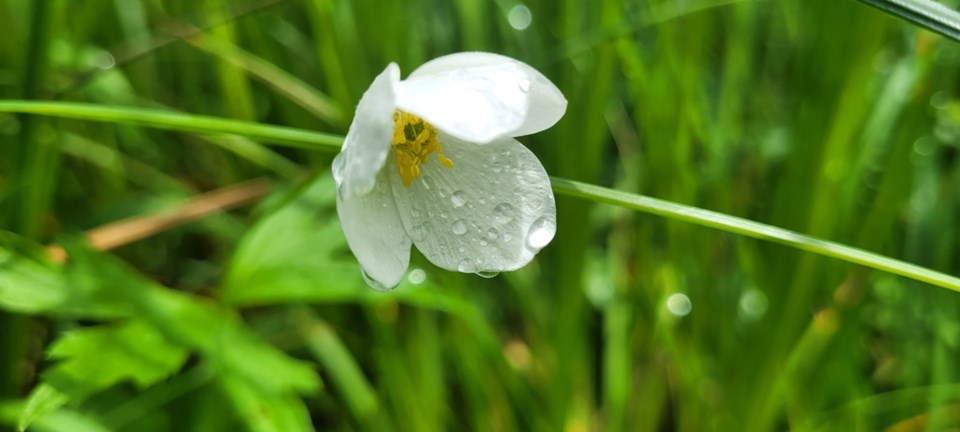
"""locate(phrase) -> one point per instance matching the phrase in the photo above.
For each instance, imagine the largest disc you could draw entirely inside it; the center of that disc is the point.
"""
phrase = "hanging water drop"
(372, 283)
(540, 233)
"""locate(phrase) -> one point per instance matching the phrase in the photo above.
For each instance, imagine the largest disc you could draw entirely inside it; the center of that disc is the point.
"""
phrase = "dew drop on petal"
(414, 212)
(339, 164)
(503, 212)
(459, 227)
(458, 198)
(487, 274)
(540, 233)
(465, 266)
(419, 232)
(493, 234)
(524, 85)
(462, 249)
(373, 283)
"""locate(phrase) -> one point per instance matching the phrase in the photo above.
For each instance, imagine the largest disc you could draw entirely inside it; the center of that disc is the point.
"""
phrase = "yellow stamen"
(413, 142)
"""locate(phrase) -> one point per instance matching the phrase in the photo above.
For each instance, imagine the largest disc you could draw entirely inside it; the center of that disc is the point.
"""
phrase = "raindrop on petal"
(373, 283)
(419, 232)
(503, 212)
(487, 274)
(540, 233)
(465, 266)
(493, 234)
(458, 198)
(459, 227)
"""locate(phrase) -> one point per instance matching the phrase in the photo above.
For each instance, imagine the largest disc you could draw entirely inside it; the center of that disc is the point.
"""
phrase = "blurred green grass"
(825, 117)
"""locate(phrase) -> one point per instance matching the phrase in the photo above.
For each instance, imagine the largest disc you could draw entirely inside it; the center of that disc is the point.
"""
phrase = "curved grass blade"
(928, 14)
(753, 229)
(320, 141)
(158, 119)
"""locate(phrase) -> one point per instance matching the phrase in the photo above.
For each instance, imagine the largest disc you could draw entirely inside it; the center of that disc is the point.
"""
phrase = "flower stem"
(327, 142)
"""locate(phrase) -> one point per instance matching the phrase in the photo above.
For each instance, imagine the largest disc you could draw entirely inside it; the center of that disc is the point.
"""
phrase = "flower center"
(413, 142)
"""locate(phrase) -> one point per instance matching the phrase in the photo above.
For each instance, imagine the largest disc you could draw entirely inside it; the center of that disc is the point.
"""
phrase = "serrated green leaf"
(296, 253)
(201, 325)
(34, 286)
(95, 358)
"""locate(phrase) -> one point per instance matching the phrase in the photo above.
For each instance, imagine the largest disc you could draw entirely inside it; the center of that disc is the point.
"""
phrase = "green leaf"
(34, 286)
(296, 253)
(93, 359)
(266, 413)
(43, 399)
(203, 326)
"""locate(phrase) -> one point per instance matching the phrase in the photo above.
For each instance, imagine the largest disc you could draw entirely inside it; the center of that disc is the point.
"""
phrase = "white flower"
(431, 160)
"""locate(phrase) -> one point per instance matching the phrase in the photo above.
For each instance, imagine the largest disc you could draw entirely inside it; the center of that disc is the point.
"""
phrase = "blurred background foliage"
(821, 116)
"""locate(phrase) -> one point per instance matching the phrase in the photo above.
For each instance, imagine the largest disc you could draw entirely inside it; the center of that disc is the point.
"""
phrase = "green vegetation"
(833, 125)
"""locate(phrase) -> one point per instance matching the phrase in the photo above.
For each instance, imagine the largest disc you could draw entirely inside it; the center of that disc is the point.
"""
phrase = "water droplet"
(462, 249)
(487, 274)
(679, 304)
(443, 214)
(753, 304)
(465, 266)
(493, 234)
(382, 187)
(427, 183)
(372, 283)
(419, 232)
(503, 212)
(507, 237)
(520, 18)
(414, 212)
(459, 227)
(524, 85)
(458, 198)
(483, 242)
(540, 233)
(339, 164)
(483, 201)
(417, 276)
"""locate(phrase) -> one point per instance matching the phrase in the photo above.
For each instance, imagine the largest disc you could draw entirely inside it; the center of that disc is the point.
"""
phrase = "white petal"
(480, 96)
(367, 144)
(492, 212)
(375, 233)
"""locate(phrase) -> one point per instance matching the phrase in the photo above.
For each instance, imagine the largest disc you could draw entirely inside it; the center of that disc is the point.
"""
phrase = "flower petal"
(492, 212)
(479, 97)
(367, 144)
(375, 233)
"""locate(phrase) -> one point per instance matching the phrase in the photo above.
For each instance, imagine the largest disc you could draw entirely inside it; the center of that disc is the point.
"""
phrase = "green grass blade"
(315, 140)
(928, 14)
(177, 122)
(753, 229)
